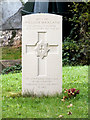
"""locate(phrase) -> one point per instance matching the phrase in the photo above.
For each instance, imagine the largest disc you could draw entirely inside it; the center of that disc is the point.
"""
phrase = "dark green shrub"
(76, 47)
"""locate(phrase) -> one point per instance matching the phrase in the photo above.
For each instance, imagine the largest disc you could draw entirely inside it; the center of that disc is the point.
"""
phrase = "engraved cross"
(41, 48)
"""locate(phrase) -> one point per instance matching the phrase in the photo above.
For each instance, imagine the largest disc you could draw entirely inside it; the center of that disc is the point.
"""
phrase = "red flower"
(73, 90)
(71, 93)
(69, 90)
(77, 92)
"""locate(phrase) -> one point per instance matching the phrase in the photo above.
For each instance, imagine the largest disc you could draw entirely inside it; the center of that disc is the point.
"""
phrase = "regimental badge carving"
(42, 49)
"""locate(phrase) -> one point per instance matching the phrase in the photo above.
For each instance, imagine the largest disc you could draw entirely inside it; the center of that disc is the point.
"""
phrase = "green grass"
(16, 106)
(11, 53)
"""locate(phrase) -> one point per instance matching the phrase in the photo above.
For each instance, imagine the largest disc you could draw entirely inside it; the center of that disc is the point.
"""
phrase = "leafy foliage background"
(76, 45)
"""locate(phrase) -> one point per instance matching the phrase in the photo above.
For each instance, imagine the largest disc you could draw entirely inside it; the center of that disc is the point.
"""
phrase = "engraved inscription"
(36, 24)
(42, 82)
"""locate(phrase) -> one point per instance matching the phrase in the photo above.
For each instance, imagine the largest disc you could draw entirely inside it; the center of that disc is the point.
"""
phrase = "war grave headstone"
(42, 54)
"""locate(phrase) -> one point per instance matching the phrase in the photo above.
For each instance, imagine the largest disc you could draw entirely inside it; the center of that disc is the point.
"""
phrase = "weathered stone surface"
(10, 16)
(1, 67)
(8, 63)
(14, 22)
(9, 8)
(11, 37)
(0, 16)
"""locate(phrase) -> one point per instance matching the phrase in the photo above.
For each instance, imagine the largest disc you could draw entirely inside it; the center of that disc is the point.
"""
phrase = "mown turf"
(16, 106)
(10, 53)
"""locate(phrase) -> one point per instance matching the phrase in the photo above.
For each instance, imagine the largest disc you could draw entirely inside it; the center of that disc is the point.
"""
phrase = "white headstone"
(42, 54)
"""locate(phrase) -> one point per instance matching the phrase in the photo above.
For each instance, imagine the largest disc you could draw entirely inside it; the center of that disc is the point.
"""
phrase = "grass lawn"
(16, 106)
(10, 53)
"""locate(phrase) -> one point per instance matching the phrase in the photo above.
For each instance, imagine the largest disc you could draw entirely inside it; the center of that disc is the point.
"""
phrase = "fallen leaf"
(62, 100)
(60, 116)
(69, 105)
(69, 113)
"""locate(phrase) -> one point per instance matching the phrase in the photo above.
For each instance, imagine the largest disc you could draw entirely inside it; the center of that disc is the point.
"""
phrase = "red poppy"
(77, 92)
(73, 90)
(69, 90)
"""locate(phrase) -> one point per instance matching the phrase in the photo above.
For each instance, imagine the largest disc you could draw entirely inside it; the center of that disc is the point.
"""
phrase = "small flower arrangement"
(70, 93)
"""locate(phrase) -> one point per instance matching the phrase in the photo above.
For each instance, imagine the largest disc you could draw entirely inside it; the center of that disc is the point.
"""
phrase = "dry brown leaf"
(69, 113)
